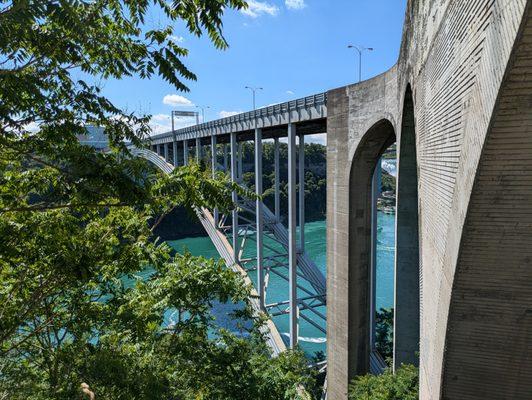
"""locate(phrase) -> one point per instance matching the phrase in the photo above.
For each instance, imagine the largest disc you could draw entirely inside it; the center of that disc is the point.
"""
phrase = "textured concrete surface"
(469, 64)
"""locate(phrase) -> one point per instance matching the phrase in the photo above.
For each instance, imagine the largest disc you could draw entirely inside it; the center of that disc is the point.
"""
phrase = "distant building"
(95, 137)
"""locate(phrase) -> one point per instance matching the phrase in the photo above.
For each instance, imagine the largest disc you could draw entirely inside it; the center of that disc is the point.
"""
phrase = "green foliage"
(384, 333)
(403, 385)
(88, 296)
(388, 182)
(315, 177)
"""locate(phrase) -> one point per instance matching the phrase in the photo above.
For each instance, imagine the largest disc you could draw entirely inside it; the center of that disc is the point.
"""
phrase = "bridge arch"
(369, 150)
(487, 352)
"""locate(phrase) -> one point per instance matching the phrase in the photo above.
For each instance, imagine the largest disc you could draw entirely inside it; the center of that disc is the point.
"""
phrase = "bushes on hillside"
(403, 385)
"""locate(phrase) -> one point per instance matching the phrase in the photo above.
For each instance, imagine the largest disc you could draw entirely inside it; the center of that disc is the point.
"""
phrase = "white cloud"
(289, 92)
(177, 100)
(225, 114)
(161, 118)
(295, 4)
(161, 123)
(176, 39)
(257, 8)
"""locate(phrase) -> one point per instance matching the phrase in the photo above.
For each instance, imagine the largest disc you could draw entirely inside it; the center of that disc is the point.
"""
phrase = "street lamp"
(359, 49)
(202, 112)
(254, 89)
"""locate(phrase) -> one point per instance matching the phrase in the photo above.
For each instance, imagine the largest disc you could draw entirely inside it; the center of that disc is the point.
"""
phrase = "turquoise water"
(311, 338)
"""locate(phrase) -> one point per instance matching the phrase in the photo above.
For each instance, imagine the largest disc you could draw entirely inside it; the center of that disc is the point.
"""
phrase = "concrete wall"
(469, 65)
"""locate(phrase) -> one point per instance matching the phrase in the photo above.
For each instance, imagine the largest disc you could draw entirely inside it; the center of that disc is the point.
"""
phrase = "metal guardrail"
(305, 109)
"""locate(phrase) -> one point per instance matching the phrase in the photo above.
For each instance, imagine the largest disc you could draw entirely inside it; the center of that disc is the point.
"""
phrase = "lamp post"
(254, 90)
(360, 50)
(202, 112)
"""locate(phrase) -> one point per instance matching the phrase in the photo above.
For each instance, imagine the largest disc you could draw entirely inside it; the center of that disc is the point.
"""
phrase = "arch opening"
(363, 194)
(407, 266)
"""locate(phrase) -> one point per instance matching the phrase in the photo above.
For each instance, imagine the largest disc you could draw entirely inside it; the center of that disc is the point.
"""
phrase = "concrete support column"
(301, 162)
(198, 150)
(185, 152)
(375, 193)
(259, 217)
(292, 249)
(276, 182)
(160, 150)
(214, 164)
(234, 196)
(166, 152)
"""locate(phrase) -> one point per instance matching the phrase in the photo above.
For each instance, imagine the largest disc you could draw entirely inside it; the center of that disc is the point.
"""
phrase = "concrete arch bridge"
(458, 104)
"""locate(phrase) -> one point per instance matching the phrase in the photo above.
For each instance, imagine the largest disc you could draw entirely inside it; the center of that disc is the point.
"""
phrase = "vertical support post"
(174, 141)
(165, 152)
(185, 152)
(225, 156)
(301, 162)
(214, 163)
(240, 161)
(276, 183)
(292, 250)
(259, 217)
(234, 196)
(375, 193)
(198, 150)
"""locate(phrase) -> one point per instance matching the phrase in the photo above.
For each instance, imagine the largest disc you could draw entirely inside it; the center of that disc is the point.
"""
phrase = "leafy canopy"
(89, 301)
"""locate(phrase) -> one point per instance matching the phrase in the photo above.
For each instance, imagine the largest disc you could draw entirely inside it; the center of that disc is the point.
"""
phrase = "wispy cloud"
(257, 8)
(177, 100)
(295, 4)
(290, 92)
(225, 114)
(177, 39)
(161, 123)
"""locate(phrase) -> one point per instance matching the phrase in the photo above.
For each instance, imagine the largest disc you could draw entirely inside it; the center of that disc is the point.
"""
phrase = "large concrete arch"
(374, 142)
(455, 55)
(368, 128)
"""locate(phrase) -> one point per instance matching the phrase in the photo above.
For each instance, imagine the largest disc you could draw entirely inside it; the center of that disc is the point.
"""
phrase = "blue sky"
(291, 48)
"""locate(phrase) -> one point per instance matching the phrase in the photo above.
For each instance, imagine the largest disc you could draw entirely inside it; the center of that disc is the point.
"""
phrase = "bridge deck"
(309, 113)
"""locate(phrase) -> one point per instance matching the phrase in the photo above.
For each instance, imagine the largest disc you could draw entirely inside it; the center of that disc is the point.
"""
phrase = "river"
(311, 339)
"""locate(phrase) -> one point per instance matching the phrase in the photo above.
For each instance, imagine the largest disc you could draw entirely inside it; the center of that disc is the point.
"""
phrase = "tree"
(384, 333)
(90, 301)
(403, 385)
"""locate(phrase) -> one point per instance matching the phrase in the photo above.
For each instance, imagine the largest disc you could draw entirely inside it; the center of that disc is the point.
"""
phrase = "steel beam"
(185, 152)
(198, 150)
(234, 196)
(301, 193)
(259, 216)
(292, 250)
(276, 182)
(214, 165)
(239, 161)
(225, 157)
